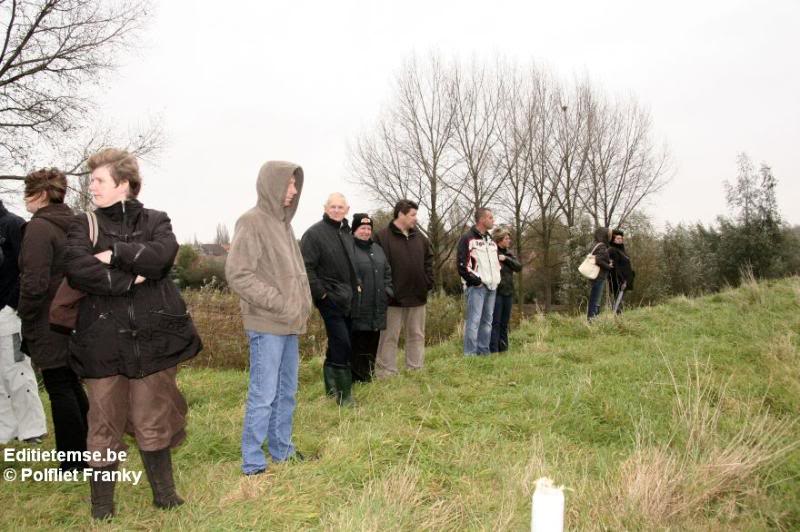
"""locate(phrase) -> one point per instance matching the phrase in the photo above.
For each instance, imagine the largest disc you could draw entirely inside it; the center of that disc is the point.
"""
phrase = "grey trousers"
(413, 319)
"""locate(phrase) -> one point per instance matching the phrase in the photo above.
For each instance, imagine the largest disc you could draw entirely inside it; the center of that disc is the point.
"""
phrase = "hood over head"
(602, 235)
(272, 184)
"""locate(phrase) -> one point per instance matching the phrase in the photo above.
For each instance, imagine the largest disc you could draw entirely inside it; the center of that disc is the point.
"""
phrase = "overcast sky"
(239, 83)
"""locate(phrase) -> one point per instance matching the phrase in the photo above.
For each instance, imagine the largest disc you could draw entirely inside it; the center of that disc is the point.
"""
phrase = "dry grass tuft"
(396, 501)
(701, 463)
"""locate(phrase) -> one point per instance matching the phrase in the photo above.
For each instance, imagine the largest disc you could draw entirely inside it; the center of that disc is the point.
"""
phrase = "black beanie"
(359, 219)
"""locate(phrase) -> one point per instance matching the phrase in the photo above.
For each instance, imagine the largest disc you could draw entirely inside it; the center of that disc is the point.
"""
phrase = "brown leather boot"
(158, 466)
(102, 493)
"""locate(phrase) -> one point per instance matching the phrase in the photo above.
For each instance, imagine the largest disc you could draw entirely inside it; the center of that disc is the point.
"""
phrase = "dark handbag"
(63, 314)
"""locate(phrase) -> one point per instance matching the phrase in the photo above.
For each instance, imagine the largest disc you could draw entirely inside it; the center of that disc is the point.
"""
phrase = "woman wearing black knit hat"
(369, 311)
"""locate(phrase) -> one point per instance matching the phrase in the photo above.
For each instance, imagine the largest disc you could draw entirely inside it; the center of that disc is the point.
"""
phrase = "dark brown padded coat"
(41, 265)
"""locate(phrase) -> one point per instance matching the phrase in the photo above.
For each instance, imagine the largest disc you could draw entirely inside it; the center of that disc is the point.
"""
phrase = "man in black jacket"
(327, 248)
(621, 277)
(411, 259)
(21, 411)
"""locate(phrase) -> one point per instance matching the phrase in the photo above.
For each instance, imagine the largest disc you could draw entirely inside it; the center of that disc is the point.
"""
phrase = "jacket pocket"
(170, 333)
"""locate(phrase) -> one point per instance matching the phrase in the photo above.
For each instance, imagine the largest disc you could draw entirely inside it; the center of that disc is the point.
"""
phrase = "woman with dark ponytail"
(42, 269)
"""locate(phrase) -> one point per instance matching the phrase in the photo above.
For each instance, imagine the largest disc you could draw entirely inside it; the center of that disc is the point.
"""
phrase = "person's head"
(336, 207)
(484, 219)
(291, 192)
(602, 235)
(362, 226)
(502, 237)
(43, 187)
(405, 214)
(617, 237)
(114, 177)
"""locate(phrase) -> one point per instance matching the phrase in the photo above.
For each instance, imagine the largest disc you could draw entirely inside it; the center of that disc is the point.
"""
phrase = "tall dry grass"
(703, 461)
(218, 320)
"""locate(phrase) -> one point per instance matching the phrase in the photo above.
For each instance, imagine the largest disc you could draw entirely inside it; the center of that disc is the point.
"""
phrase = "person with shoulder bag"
(602, 260)
(133, 330)
(42, 269)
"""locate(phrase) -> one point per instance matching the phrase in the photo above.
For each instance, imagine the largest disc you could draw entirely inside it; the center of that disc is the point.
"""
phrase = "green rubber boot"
(344, 386)
(330, 380)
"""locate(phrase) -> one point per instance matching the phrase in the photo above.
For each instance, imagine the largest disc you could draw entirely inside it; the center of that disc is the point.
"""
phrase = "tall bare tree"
(410, 153)
(53, 53)
(511, 161)
(571, 149)
(625, 166)
(476, 95)
(543, 106)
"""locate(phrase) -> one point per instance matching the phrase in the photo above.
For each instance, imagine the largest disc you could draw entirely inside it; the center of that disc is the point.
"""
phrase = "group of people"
(366, 285)
(89, 300)
(615, 270)
(103, 279)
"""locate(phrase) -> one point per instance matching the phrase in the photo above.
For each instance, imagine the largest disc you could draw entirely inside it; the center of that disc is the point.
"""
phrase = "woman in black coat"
(505, 292)
(621, 278)
(369, 307)
(600, 251)
(132, 331)
(41, 265)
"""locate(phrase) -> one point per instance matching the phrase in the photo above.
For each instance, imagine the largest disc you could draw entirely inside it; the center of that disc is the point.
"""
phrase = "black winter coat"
(375, 278)
(411, 259)
(10, 244)
(125, 328)
(623, 271)
(41, 263)
(327, 249)
(507, 269)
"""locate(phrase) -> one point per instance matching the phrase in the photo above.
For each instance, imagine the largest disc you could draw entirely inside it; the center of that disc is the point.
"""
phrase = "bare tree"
(541, 114)
(511, 161)
(476, 94)
(571, 158)
(625, 166)
(53, 52)
(410, 154)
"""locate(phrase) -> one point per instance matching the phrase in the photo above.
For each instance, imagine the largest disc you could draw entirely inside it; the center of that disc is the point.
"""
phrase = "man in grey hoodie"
(265, 268)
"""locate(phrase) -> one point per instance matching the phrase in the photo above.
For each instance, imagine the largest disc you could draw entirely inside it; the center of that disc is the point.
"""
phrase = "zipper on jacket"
(134, 335)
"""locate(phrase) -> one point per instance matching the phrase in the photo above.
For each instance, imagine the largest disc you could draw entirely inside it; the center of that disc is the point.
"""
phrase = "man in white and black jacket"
(479, 269)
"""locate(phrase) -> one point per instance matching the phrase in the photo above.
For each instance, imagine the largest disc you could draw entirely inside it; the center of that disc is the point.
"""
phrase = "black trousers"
(69, 406)
(500, 319)
(337, 327)
(365, 348)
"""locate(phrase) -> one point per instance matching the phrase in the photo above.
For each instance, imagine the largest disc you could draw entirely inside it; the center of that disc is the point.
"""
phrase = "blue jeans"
(274, 362)
(478, 326)
(596, 296)
(500, 319)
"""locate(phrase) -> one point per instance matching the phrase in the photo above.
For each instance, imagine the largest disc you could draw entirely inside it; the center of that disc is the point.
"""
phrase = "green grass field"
(681, 416)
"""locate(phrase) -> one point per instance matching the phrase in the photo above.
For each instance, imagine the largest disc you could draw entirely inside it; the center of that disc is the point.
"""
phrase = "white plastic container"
(547, 507)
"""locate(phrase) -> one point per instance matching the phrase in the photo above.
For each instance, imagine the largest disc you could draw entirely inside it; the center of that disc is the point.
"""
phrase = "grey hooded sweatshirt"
(264, 266)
